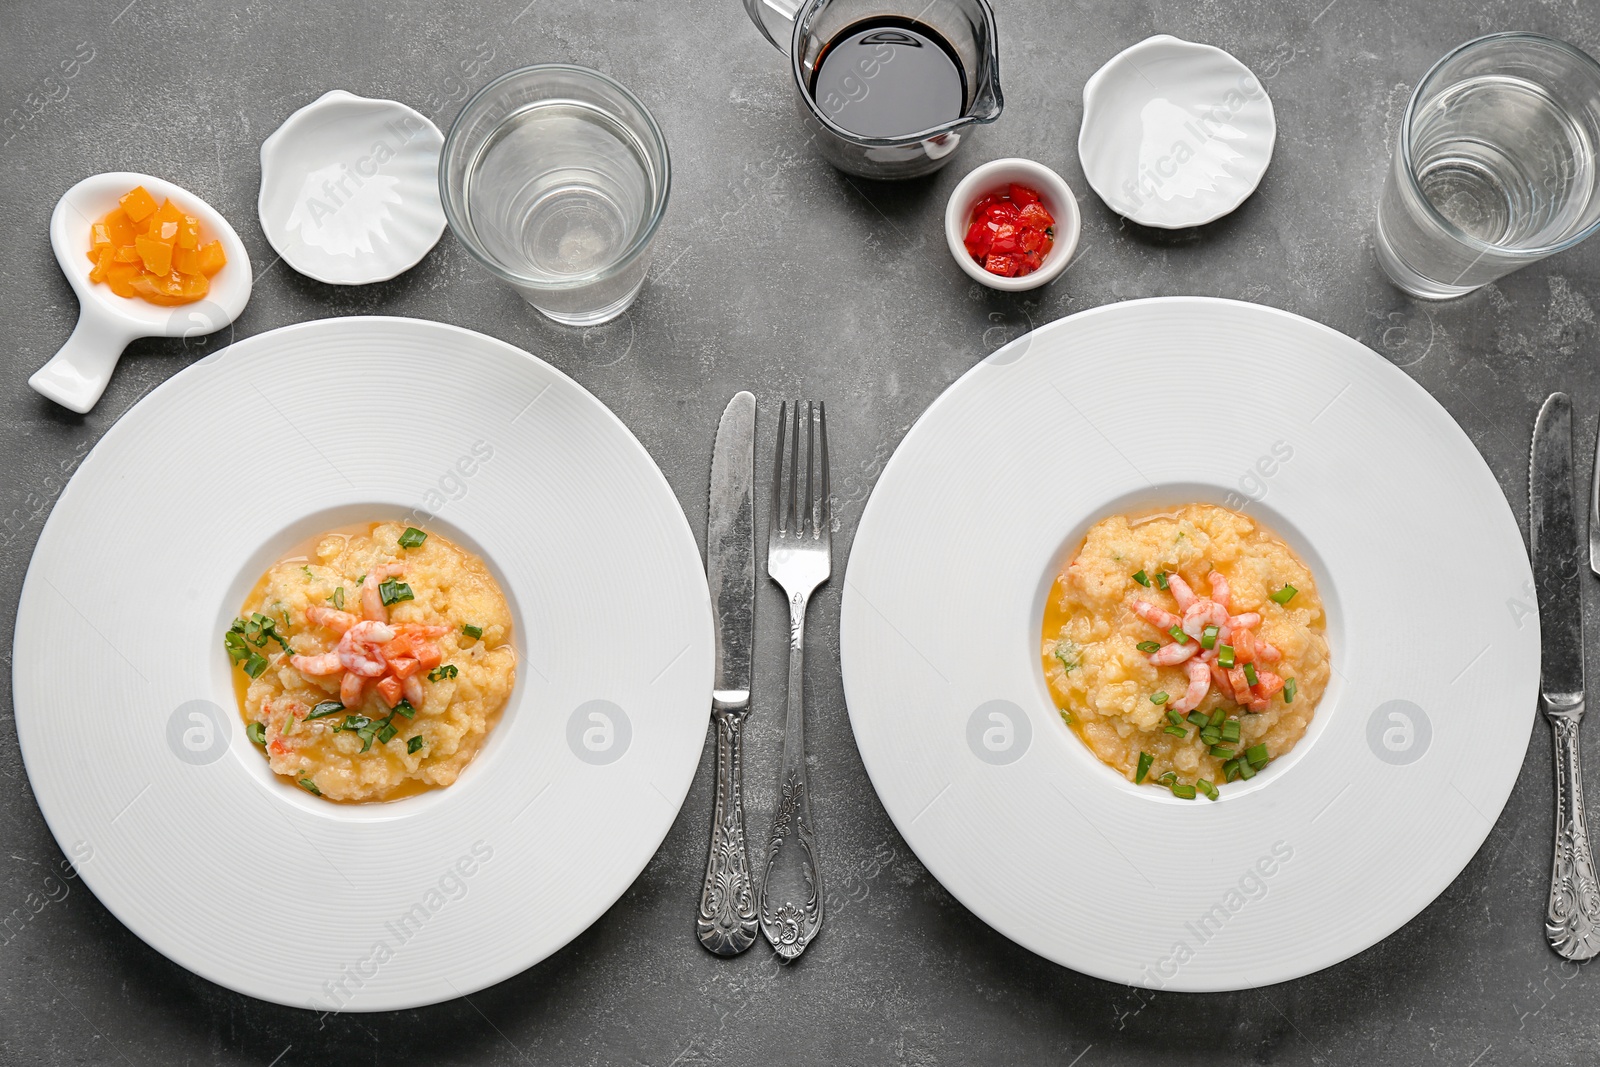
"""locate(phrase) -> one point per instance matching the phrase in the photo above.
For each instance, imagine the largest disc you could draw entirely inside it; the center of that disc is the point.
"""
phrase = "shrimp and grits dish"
(373, 665)
(1187, 649)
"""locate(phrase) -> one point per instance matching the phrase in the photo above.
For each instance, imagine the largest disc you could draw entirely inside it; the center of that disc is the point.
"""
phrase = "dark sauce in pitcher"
(889, 76)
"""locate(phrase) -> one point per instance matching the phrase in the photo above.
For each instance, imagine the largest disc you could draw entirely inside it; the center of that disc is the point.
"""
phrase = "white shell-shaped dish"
(350, 189)
(1174, 133)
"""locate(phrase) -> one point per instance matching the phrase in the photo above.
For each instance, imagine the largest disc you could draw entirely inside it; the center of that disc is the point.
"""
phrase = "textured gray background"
(775, 273)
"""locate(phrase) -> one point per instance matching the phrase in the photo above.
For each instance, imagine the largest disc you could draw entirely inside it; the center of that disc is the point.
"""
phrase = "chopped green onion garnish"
(1068, 665)
(1230, 731)
(337, 599)
(1225, 657)
(1250, 673)
(1183, 791)
(1178, 635)
(1145, 759)
(1257, 754)
(403, 708)
(256, 733)
(1222, 751)
(472, 631)
(1210, 735)
(1230, 770)
(392, 592)
(386, 732)
(1217, 717)
(1158, 698)
(1284, 595)
(1246, 771)
(1208, 637)
(1198, 718)
(412, 537)
(324, 709)
(1161, 579)
(1175, 717)
(1168, 778)
(448, 670)
(1177, 731)
(414, 744)
(309, 575)
(352, 724)
(1207, 788)
(310, 787)
(1142, 578)
(1148, 647)
(1289, 687)
(255, 664)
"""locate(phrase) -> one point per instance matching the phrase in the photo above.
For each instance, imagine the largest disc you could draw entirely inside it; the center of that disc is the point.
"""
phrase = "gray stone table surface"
(775, 273)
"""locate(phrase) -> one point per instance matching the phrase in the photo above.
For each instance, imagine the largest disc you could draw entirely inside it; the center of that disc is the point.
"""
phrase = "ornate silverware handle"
(791, 893)
(1572, 922)
(727, 922)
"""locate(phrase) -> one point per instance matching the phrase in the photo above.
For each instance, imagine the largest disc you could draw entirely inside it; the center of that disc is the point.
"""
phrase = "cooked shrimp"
(1202, 613)
(1174, 654)
(1248, 620)
(1240, 684)
(413, 689)
(371, 599)
(333, 619)
(317, 666)
(1266, 652)
(1220, 676)
(1161, 620)
(1181, 591)
(1219, 588)
(359, 650)
(351, 690)
(1199, 686)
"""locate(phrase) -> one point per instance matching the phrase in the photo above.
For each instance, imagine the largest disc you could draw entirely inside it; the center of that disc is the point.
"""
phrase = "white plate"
(128, 724)
(1175, 133)
(1432, 629)
(350, 189)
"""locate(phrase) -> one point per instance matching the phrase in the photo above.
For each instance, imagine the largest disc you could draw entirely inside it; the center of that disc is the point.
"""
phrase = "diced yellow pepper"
(139, 204)
(212, 258)
(157, 255)
(189, 232)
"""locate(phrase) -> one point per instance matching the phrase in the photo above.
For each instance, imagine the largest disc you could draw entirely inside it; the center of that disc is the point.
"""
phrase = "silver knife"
(727, 922)
(1572, 922)
(1594, 513)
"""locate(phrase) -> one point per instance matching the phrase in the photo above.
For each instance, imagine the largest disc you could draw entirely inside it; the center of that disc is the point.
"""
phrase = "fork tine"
(810, 519)
(793, 524)
(826, 508)
(775, 516)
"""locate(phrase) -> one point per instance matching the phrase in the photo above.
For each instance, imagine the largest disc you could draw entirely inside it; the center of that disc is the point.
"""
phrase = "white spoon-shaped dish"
(76, 376)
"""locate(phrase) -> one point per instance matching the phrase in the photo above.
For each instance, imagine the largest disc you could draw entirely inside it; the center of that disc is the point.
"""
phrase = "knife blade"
(727, 922)
(1572, 915)
(1594, 513)
(731, 549)
(1556, 549)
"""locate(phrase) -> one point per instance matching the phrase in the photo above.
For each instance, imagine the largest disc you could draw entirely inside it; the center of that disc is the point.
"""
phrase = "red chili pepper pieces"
(1010, 232)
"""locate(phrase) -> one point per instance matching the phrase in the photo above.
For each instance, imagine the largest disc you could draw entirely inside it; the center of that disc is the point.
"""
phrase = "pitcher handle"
(775, 20)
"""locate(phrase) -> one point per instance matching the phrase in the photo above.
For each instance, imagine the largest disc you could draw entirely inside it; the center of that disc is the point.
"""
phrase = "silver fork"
(799, 554)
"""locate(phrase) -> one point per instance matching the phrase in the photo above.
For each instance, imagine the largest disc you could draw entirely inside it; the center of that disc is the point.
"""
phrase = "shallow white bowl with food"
(125, 708)
(1054, 194)
(77, 375)
(1430, 624)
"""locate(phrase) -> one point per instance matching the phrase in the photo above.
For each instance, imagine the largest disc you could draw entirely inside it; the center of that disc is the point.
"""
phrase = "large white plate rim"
(920, 792)
(597, 834)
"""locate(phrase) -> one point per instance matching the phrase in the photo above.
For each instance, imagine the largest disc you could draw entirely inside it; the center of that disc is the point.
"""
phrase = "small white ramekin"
(1053, 192)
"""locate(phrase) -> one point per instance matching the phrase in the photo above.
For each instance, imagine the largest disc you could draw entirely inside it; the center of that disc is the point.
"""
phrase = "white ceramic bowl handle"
(775, 20)
(77, 375)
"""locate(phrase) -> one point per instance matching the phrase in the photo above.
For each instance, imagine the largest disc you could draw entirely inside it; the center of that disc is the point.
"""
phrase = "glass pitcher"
(803, 29)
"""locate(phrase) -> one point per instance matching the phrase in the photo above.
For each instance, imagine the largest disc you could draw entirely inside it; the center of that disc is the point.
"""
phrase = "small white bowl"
(1054, 194)
(76, 376)
(350, 189)
(1175, 134)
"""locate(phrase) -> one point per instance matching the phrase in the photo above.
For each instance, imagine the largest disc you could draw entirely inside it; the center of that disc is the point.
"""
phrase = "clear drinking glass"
(555, 178)
(1496, 165)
